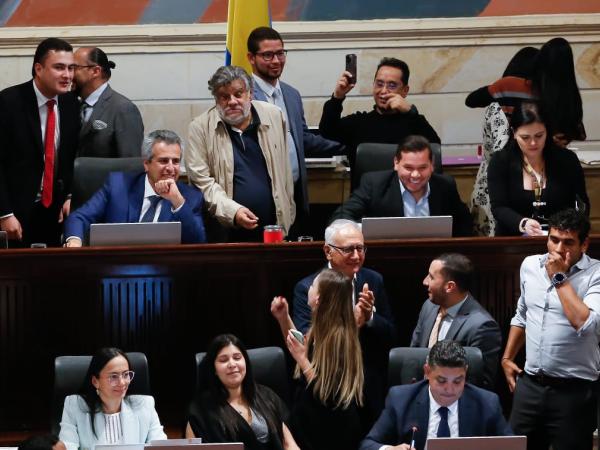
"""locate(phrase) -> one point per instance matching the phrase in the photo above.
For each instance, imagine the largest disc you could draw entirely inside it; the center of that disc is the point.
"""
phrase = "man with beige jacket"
(238, 158)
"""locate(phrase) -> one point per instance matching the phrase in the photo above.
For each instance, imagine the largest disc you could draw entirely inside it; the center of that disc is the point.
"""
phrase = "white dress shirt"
(434, 417)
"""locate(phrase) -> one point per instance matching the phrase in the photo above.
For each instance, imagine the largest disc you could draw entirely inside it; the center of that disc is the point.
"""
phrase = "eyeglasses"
(391, 85)
(115, 378)
(347, 251)
(77, 66)
(268, 56)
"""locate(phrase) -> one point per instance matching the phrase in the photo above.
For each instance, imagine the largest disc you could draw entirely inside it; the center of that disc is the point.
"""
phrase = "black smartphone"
(351, 67)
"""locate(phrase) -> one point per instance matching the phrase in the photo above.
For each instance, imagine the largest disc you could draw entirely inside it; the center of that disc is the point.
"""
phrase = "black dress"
(511, 203)
(316, 426)
(207, 423)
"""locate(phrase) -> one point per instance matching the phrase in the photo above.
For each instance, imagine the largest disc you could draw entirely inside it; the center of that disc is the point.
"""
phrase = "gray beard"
(238, 121)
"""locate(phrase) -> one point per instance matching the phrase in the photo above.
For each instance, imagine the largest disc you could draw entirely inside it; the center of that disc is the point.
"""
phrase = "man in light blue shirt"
(558, 321)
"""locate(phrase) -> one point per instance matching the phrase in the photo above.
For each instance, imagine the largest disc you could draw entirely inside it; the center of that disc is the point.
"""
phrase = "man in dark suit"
(111, 125)
(267, 56)
(451, 313)
(411, 189)
(140, 197)
(39, 126)
(442, 405)
(345, 252)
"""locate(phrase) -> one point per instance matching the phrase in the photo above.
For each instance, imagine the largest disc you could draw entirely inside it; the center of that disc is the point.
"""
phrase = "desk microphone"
(412, 439)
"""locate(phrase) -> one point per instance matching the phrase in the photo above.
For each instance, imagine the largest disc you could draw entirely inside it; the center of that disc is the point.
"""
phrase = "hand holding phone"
(298, 335)
(351, 67)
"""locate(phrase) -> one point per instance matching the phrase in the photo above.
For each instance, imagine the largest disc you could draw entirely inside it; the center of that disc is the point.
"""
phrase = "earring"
(98, 392)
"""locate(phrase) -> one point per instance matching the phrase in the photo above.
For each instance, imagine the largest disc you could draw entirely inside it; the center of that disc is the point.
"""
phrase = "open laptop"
(180, 446)
(478, 443)
(407, 227)
(138, 233)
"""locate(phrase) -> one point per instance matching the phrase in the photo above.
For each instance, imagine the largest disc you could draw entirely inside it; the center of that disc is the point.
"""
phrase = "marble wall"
(165, 68)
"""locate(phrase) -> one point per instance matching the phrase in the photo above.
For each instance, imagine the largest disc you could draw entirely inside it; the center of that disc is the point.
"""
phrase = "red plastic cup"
(272, 234)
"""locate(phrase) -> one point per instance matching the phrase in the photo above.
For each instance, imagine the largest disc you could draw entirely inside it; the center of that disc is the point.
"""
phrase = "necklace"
(537, 180)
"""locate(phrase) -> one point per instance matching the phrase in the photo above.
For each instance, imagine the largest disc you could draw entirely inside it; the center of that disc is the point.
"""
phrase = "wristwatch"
(558, 278)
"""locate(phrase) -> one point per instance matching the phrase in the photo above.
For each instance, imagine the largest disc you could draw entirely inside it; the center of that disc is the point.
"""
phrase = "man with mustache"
(238, 158)
(393, 116)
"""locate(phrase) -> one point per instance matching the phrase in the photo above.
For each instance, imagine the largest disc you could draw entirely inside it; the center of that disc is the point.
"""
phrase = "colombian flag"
(244, 16)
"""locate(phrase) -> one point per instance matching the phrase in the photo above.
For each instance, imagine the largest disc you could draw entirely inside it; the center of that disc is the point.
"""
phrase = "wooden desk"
(170, 301)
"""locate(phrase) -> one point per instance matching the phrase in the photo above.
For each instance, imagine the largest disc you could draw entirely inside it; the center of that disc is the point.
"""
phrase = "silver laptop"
(139, 233)
(478, 443)
(407, 227)
(215, 446)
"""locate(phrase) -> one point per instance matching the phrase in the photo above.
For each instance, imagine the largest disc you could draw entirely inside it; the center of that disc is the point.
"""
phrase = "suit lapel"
(459, 320)
(466, 417)
(393, 199)
(33, 117)
(129, 424)
(97, 111)
(258, 93)
(136, 197)
(435, 198)
(420, 416)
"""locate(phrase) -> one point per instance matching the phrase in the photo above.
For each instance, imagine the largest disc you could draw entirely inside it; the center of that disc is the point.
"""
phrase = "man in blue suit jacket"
(267, 57)
(443, 405)
(136, 197)
(345, 251)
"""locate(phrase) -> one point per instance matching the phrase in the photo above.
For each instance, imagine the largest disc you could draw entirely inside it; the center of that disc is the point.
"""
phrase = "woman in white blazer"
(103, 413)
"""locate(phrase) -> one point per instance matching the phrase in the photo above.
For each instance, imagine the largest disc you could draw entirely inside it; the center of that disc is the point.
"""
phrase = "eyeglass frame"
(87, 66)
(281, 54)
(390, 85)
(349, 250)
(115, 378)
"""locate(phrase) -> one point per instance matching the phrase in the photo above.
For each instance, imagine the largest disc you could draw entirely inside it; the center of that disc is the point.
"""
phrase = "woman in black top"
(230, 407)
(532, 178)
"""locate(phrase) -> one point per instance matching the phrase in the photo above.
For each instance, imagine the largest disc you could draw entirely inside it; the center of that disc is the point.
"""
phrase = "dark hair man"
(392, 119)
(442, 405)
(411, 189)
(111, 125)
(268, 56)
(154, 195)
(238, 158)
(39, 124)
(558, 321)
(452, 313)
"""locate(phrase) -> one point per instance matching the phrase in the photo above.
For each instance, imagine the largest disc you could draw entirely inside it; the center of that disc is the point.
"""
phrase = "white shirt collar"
(434, 406)
(93, 98)
(41, 98)
(148, 190)
(267, 88)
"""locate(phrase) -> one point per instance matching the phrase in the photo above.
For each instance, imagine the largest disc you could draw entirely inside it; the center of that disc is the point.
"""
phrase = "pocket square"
(99, 125)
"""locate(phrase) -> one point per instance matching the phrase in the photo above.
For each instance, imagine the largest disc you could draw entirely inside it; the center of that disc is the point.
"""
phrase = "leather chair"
(406, 365)
(372, 156)
(69, 375)
(89, 175)
(269, 368)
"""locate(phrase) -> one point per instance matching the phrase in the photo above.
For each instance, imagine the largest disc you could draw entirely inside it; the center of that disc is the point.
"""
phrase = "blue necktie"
(149, 215)
(443, 428)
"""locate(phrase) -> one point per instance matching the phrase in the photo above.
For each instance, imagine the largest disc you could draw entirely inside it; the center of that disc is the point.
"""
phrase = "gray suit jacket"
(114, 130)
(473, 326)
(139, 423)
(307, 143)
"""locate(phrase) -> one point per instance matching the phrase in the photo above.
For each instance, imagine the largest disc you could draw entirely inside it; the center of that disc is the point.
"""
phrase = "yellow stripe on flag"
(243, 16)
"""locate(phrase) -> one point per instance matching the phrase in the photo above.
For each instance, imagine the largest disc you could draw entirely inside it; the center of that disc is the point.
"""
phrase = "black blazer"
(22, 153)
(511, 203)
(379, 196)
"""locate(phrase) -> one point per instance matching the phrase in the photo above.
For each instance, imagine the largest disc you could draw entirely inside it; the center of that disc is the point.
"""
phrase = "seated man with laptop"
(411, 189)
(441, 406)
(154, 195)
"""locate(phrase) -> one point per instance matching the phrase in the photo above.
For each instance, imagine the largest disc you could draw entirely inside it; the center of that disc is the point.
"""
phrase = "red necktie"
(48, 180)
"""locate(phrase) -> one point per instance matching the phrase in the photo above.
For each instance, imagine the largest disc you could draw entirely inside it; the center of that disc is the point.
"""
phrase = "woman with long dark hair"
(103, 412)
(532, 178)
(230, 406)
